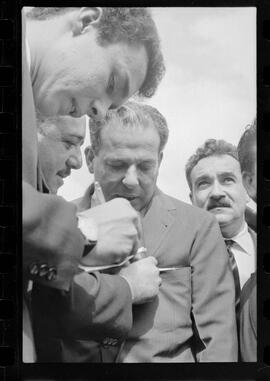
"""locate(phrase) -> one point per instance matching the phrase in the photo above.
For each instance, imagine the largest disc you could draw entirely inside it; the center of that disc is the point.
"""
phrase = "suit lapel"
(157, 222)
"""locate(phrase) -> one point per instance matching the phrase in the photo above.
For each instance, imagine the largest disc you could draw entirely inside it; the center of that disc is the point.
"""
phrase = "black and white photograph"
(139, 145)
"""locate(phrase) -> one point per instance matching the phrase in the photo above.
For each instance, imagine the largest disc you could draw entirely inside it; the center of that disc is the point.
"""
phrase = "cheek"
(201, 198)
(89, 82)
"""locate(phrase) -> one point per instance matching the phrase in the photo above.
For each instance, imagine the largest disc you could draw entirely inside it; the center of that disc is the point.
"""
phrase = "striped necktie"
(229, 244)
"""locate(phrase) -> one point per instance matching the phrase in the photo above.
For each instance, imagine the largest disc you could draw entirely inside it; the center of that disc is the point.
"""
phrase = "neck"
(231, 230)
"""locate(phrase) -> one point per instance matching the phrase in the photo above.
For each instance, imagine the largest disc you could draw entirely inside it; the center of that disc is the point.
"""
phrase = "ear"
(89, 157)
(88, 16)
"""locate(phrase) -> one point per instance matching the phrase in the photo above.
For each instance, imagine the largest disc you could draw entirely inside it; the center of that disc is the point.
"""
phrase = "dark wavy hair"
(246, 145)
(133, 26)
(211, 147)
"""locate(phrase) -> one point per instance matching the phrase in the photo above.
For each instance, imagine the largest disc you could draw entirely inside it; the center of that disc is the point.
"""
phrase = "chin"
(223, 220)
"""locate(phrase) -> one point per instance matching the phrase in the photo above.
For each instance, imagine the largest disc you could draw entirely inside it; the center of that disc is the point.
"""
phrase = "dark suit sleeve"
(213, 295)
(96, 306)
(50, 233)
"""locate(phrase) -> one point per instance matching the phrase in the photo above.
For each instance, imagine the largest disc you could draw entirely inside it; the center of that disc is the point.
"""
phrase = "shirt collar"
(244, 241)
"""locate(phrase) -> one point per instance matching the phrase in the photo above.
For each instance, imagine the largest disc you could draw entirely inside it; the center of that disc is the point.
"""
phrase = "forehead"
(70, 126)
(216, 165)
(114, 136)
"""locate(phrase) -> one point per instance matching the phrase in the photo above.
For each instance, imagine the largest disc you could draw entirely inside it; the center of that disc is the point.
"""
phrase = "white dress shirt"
(245, 254)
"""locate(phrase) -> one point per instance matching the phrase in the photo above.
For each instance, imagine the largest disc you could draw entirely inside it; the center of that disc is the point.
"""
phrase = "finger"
(140, 254)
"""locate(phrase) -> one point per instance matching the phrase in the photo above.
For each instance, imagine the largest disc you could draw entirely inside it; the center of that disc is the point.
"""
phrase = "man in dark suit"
(81, 64)
(192, 318)
(59, 151)
(247, 152)
(215, 181)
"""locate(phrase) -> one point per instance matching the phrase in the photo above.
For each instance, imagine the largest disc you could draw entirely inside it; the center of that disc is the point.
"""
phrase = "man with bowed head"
(192, 317)
(89, 60)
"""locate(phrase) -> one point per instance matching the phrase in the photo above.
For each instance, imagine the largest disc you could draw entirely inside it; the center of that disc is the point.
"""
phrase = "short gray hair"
(211, 147)
(131, 114)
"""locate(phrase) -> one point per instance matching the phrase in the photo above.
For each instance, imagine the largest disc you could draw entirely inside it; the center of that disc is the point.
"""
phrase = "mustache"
(218, 204)
(64, 173)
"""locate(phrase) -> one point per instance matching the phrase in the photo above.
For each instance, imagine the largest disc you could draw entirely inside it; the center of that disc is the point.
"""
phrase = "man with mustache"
(192, 318)
(78, 61)
(215, 180)
(59, 149)
(247, 152)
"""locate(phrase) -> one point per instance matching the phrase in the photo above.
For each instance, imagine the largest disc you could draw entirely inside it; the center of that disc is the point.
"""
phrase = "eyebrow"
(227, 174)
(202, 177)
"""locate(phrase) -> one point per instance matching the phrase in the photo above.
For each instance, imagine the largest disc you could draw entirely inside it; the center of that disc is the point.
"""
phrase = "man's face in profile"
(127, 163)
(78, 76)
(217, 187)
(59, 149)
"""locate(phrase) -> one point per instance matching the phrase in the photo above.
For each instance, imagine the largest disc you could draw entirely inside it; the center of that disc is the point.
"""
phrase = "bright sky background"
(209, 89)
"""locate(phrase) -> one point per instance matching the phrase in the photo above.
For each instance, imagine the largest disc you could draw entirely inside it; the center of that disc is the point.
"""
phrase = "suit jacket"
(85, 324)
(51, 236)
(193, 317)
(248, 316)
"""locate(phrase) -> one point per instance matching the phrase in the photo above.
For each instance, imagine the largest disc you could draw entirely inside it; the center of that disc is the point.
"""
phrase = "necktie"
(229, 244)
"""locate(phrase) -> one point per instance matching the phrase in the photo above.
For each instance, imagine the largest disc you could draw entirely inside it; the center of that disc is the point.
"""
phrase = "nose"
(75, 159)
(98, 109)
(131, 178)
(217, 191)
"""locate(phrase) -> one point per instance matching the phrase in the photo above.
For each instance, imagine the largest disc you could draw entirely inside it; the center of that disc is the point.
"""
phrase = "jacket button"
(33, 269)
(52, 273)
(43, 270)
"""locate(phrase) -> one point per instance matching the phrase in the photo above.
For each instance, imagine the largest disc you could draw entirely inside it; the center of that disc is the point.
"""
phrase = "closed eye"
(111, 84)
(68, 145)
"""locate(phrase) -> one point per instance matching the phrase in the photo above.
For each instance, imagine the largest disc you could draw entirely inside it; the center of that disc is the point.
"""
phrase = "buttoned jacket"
(193, 317)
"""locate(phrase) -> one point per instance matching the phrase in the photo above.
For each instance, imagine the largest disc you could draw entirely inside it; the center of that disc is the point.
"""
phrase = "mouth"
(216, 207)
(127, 197)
